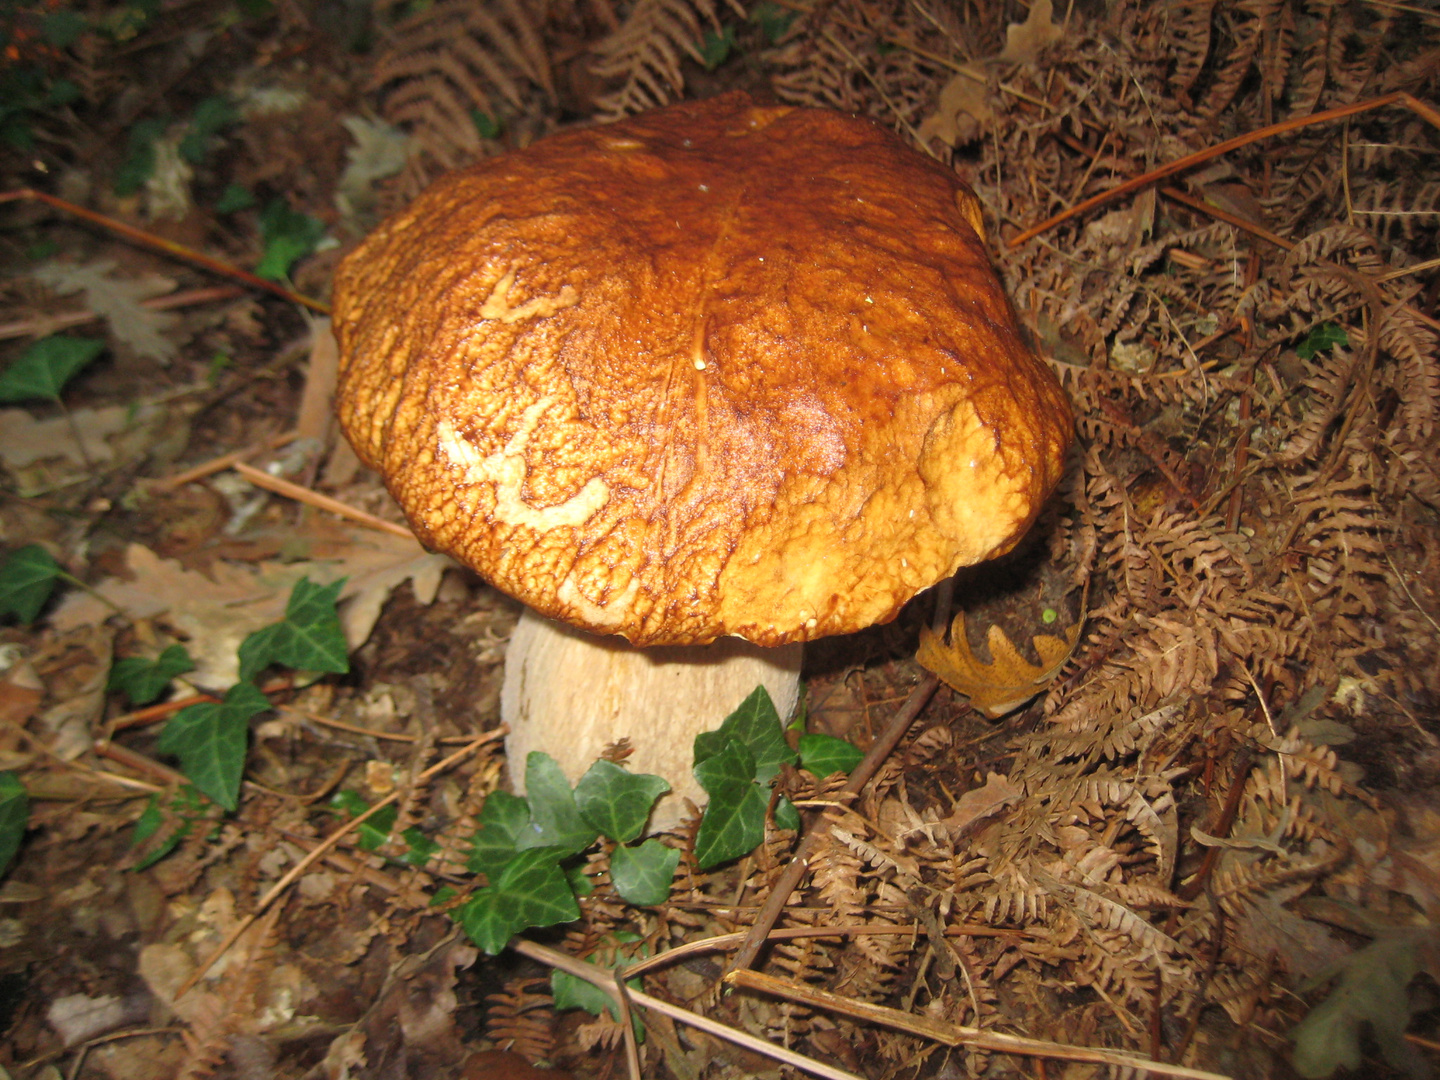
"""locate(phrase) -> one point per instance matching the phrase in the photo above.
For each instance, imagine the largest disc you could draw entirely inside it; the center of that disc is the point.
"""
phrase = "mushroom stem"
(571, 694)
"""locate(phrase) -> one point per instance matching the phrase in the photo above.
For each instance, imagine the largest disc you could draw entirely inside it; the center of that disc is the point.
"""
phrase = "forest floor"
(1210, 842)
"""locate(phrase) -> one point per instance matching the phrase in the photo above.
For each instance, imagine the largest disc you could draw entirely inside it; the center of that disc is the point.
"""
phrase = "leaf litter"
(1238, 725)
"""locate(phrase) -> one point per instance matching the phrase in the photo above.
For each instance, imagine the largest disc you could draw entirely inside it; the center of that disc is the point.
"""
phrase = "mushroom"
(718, 371)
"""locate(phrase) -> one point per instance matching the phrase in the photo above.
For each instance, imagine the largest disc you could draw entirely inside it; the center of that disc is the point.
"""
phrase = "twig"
(320, 502)
(159, 243)
(1420, 108)
(612, 984)
(786, 883)
(221, 463)
(724, 942)
(956, 1034)
(317, 852)
(48, 324)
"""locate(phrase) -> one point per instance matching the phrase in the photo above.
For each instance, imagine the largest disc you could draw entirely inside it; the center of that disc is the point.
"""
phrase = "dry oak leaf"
(1010, 680)
(963, 110)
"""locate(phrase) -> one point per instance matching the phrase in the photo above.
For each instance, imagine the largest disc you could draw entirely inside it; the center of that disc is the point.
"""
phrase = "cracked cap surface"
(716, 369)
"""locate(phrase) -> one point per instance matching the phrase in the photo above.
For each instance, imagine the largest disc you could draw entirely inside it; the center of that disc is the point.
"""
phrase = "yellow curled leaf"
(1006, 683)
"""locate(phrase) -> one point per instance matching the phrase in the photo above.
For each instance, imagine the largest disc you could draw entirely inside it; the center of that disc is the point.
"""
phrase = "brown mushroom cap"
(717, 369)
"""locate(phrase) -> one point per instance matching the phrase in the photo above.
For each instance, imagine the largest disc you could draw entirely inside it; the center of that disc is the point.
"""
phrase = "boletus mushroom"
(722, 372)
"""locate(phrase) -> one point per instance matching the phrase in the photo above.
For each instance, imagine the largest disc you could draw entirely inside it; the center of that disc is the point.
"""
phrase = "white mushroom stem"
(571, 694)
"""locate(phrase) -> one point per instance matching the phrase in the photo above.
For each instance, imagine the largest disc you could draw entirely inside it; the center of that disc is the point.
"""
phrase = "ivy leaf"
(212, 115)
(617, 801)
(374, 831)
(773, 20)
(716, 46)
(555, 820)
(139, 163)
(786, 816)
(14, 814)
(233, 198)
(27, 578)
(62, 28)
(142, 680)
(46, 366)
(1325, 336)
(209, 739)
(1372, 991)
(186, 808)
(531, 891)
(734, 821)
(642, 875)
(572, 992)
(756, 724)
(825, 755)
(502, 821)
(309, 638)
(420, 849)
(289, 235)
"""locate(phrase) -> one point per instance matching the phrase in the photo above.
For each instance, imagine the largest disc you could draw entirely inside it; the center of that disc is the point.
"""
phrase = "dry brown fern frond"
(447, 69)
(521, 1018)
(648, 52)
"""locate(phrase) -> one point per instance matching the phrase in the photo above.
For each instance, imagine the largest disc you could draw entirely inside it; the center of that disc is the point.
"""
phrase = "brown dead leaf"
(1024, 41)
(963, 110)
(978, 803)
(1004, 684)
(215, 612)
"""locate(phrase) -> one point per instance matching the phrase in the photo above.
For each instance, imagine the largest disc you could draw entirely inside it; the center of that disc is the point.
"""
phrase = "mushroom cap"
(717, 369)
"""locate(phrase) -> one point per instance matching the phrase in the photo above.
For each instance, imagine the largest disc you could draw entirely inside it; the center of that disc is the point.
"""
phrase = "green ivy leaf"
(530, 891)
(617, 801)
(139, 163)
(1325, 336)
(289, 235)
(555, 820)
(571, 992)
(489, 127)
(502, 821)
(234, 198)
(46, 366)
(786, 816)
(63, 28)
(642, 875)
(756, 724)
(773, 20)
(734, 821)
(350, 801)
(825, 755)
(374, 831)
(186, 809)
(420, 849)
(715, 48)
(27, 578)
(209, 739)
(212, 115)
(1372, 992)
(14, 814)
(142, 680)
(309, 638)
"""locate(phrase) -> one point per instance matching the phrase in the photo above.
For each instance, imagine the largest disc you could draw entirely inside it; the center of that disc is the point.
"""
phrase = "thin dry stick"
(159, 243)
(610, 982)
(320, 502)
(956, 1034)
(319, 850)
(723, 942)
(785, 884)
(221, 463)
(49, 324)
(1420, 108)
